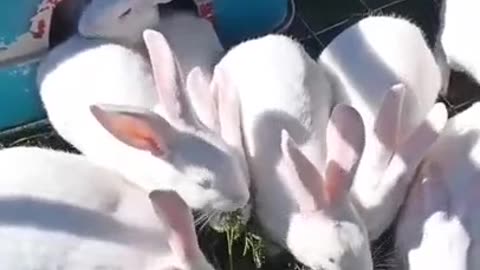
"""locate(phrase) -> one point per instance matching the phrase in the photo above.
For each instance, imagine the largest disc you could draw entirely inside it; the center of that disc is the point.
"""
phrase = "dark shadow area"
(181, 5)
(65, 20)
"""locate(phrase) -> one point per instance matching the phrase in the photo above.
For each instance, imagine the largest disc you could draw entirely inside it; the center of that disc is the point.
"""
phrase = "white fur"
(109, 19)
(439, 223)
(98, 96)
(365, 62)
(283, 93)
(60, 211)
(193, 39)
(198, 50)
(457, 36)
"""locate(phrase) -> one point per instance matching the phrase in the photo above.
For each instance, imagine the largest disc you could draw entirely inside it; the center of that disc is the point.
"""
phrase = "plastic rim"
(291, 10)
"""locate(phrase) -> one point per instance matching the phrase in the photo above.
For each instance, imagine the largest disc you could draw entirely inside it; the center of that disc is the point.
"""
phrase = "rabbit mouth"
(223, 221)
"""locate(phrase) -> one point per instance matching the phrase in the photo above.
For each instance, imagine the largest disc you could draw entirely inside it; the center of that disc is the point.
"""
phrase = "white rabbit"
(439, 226)
(122, 21)
(61, 211)
(383, 67)
(281, 92)
(98, 97)
(457, 36)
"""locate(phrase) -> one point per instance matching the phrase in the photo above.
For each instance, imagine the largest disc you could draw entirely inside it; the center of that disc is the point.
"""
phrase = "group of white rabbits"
(332, 151)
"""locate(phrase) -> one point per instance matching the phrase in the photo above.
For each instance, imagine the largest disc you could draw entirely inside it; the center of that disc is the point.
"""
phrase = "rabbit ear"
(203, 101)
(387, 125)
(345, 144)
(182, 237)
(411, 152)
(136, 127)
(228, 105)
(168, 79)
(302, 178)
(419, 142)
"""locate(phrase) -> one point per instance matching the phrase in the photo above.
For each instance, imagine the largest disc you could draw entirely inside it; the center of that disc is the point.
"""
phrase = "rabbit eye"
(125, 13)
(205, 183)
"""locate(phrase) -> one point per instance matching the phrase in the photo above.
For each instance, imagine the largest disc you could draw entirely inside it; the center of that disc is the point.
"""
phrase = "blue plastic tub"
(237, 20)
(19, 99)
(24, 29)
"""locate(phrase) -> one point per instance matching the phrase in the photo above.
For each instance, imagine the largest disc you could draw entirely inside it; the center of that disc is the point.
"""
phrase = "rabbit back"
(376, 53)
(83, 72)
(64, 211)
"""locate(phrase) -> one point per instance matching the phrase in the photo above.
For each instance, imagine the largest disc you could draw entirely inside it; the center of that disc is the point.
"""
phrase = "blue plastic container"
(19, 99)
(237, 20)
(24, 29)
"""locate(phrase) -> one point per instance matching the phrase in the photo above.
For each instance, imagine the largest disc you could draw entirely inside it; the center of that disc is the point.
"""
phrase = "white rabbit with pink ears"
(99, 96)
(438, 227)
(383, 67)
(301, 159)
(66, 212)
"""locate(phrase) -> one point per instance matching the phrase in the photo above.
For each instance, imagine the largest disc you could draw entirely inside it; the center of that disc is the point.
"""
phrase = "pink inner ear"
(388, 119)
(303, 178)
(132, 129)
(345, 142)
(182, 236)
(168, 78)
(338, 183)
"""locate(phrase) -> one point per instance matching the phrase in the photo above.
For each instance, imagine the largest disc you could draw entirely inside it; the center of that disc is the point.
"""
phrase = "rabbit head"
(181, 235)
(209, 175)
(326, 232)
(119, 20)
(392, 162)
